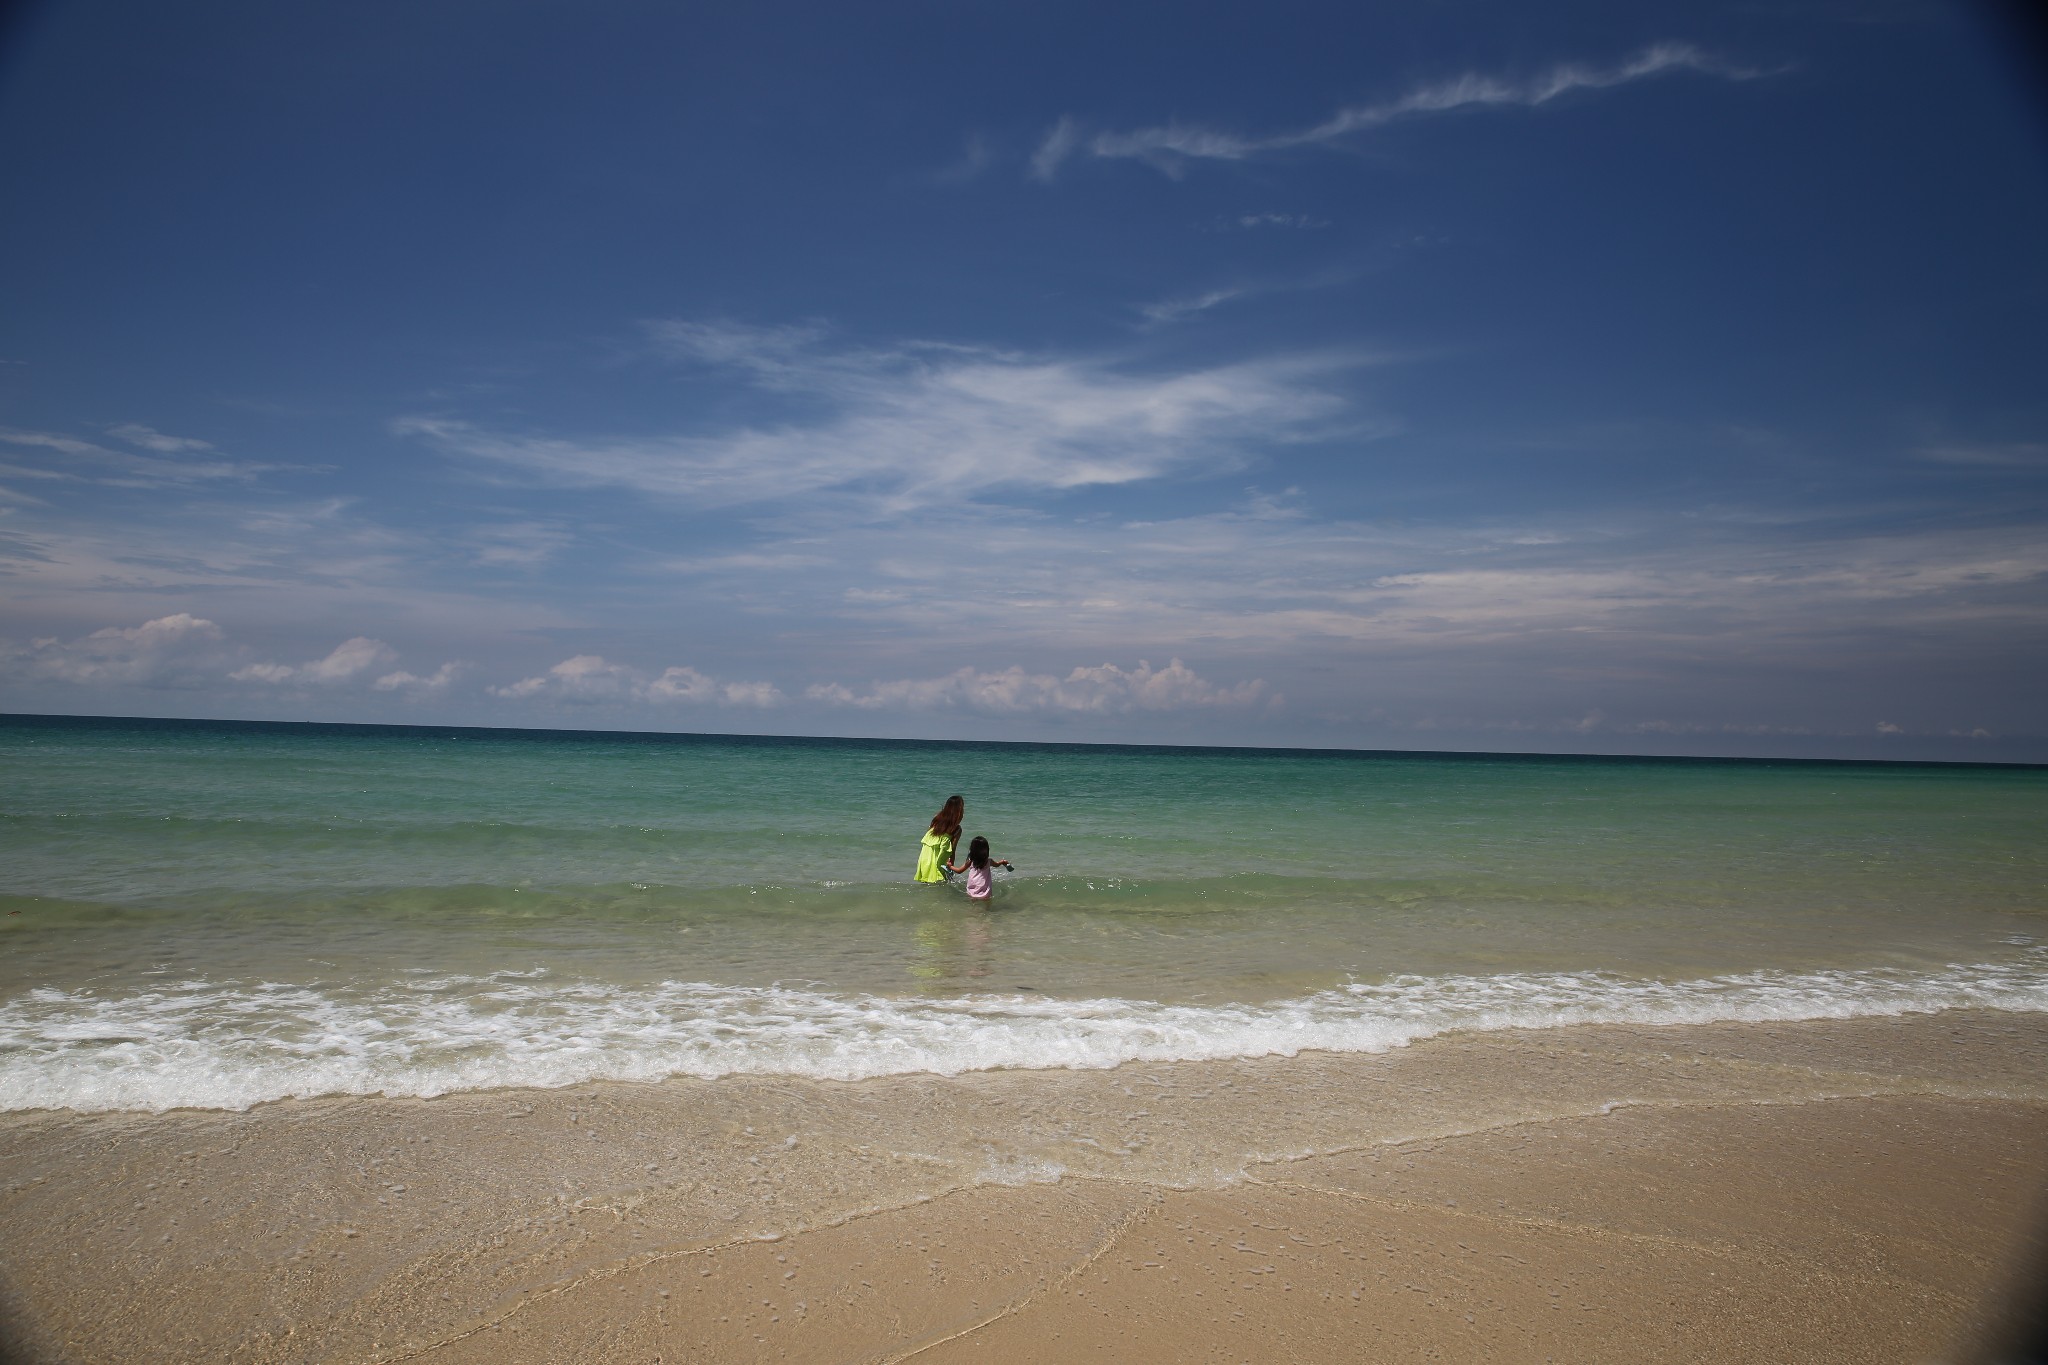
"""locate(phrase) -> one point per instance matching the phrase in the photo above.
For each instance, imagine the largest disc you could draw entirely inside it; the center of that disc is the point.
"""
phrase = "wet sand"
(1853, 1191)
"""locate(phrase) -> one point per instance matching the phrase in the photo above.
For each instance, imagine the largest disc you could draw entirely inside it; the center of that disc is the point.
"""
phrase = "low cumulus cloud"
(170, 651)
(187, 651)
(414, 684)
(1106, 689)
(906, 425)
(347, 660)
(1598, 722)
(1694, 727)
(593, 679)
(1170, 147)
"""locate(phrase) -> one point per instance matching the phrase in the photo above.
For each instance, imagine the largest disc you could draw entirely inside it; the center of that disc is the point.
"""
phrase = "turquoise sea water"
(215, 914)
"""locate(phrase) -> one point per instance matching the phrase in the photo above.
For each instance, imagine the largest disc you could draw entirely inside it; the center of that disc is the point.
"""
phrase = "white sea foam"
(227, 1045)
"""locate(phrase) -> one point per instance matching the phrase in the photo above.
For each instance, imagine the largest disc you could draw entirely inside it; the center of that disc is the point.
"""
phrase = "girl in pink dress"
(980, 869)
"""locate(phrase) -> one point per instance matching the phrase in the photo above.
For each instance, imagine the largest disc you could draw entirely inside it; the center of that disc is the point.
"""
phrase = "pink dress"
(979, 880)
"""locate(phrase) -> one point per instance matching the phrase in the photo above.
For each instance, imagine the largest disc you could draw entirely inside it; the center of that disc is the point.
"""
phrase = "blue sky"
(1581, 377)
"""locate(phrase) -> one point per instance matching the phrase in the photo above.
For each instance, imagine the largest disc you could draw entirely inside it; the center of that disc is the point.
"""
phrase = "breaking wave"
(229, 1045)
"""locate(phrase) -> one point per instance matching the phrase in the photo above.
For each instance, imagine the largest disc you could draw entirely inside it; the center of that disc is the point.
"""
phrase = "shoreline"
(1833, 1190)
(230, 1047)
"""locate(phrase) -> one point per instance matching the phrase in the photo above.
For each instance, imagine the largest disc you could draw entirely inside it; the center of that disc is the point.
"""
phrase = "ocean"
(214, 915)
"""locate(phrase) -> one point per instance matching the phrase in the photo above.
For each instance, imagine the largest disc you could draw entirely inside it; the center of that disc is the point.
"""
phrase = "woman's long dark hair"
(947, 821)
(977, 852)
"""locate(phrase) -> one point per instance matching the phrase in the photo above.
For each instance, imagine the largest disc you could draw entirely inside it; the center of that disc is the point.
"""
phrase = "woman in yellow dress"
(937, 849)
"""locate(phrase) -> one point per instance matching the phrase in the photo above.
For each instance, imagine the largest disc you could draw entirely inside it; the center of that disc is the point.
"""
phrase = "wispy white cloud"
(1106, 689)
(32, 472)
(281, 569)
(1173, 310)
(150, 439)
(1993, 455)
(593, 679)
(1179, 307)
(1054, 148)
(517, 544)
(294, 521)
(976, 155)
(907, 426)
(345, 661)
(1270, 581)
(791, 351)
(747, 561)
(1298, 221)
(125, 469)
(1169, 147)
(52, 440)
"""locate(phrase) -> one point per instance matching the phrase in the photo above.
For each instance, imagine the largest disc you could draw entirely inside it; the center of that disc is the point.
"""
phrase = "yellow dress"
(933, 857)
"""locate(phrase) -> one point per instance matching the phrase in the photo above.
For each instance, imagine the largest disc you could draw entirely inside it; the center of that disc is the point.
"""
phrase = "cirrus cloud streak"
(1168, 147)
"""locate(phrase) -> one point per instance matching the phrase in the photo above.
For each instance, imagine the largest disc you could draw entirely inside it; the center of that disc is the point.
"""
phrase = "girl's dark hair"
(977, 852)
(947, 821)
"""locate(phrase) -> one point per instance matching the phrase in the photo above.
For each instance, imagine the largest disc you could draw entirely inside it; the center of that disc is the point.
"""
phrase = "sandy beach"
(908, 684)
(1861, 1190)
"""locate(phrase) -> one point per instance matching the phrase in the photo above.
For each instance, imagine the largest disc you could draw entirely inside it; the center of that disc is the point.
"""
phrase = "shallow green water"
(349, 861)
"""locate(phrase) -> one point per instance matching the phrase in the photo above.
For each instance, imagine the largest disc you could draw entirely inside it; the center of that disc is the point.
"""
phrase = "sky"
(1585, 377)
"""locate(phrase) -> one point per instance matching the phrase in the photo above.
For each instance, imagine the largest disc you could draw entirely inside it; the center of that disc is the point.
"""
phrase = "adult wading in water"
(937, 849)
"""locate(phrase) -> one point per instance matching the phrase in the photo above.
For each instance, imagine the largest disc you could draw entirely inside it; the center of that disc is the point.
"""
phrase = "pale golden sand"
(1853, 1191)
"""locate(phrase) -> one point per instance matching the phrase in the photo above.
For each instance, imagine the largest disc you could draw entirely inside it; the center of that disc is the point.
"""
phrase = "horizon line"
(1332, 751)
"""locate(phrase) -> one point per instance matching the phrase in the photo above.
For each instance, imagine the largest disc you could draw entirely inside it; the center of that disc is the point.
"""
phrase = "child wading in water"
(979, 869)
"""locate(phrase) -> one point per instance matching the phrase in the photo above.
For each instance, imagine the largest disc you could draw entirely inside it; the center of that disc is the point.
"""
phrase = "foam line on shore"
(230, 1045)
